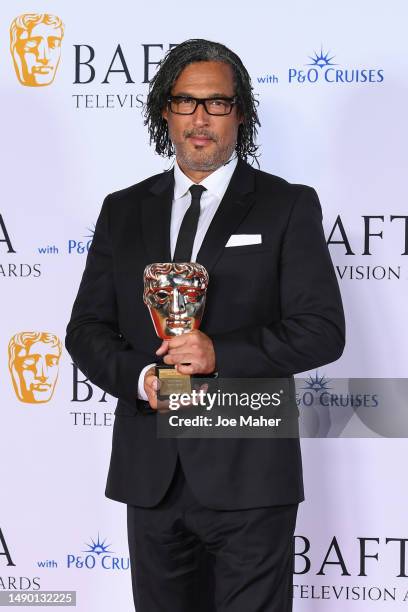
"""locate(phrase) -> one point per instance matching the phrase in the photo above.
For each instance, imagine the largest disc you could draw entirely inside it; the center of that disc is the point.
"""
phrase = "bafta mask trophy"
(175, 296)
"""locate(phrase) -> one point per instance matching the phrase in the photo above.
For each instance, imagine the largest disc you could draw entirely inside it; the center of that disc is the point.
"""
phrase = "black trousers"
(188, 558)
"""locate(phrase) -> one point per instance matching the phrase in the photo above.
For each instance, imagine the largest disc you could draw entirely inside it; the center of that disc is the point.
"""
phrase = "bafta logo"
(33, 363)
(35, 46)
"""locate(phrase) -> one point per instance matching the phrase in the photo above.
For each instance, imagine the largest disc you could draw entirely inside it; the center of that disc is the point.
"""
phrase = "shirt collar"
(216, 182)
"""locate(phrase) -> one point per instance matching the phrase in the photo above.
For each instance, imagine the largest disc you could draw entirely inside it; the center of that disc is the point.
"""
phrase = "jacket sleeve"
(93, 337)
(311, 330)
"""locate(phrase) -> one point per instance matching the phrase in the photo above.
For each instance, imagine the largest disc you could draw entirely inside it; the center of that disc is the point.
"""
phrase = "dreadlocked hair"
(175, 60)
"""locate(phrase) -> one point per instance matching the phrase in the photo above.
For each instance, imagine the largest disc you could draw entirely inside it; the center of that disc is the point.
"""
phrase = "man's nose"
(177, 303)
(200, 116)
(43, 52)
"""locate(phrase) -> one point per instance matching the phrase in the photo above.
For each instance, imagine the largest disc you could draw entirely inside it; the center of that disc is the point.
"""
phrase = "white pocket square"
(244, 239)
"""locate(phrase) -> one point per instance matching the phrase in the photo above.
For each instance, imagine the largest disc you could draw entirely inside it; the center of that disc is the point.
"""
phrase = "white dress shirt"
(216, 185)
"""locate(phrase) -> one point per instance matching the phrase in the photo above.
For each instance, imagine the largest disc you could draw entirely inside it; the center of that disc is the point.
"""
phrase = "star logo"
(317, 383)
(91, 231)
(321, 59)
(98, 547)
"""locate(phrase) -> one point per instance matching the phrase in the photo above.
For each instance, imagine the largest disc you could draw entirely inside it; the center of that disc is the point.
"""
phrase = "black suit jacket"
(272, 310)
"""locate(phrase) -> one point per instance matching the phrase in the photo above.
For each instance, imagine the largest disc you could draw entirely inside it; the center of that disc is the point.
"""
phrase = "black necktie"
(188, 228)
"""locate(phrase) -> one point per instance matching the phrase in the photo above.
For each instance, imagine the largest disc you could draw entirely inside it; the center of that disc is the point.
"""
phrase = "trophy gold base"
(171, 382)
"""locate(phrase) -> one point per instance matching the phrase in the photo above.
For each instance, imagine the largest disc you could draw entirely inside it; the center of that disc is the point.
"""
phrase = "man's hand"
(194, 348)
(151, 387)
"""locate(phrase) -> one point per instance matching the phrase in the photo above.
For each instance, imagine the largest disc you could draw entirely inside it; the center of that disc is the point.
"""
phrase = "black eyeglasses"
(186, 105)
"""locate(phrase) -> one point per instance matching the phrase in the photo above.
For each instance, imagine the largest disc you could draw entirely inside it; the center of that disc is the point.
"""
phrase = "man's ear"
(240, 117)
(165, 113)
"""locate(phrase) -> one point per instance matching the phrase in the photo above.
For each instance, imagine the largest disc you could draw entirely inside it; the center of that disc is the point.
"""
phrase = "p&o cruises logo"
(98, 554)
(323, 392)
(81, 246)
(323, 68)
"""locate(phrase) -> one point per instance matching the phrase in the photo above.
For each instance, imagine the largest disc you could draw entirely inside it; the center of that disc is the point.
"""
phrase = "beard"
(199, 158)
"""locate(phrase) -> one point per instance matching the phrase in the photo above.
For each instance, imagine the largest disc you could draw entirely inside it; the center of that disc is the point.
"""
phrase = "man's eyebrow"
(213, 95)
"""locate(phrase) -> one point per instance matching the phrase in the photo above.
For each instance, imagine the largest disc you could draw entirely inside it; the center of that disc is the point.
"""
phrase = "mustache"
(206, 133)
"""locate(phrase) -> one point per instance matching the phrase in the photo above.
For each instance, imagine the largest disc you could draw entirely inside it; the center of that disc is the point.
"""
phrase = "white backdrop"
(60, 158)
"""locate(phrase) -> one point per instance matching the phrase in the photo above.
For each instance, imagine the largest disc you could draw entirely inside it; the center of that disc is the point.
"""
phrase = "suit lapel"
(234, 207)
(156, 215)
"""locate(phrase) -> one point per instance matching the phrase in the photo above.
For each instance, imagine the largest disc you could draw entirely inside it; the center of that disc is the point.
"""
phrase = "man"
(35, 46)
(273, 309)
(34, 363)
